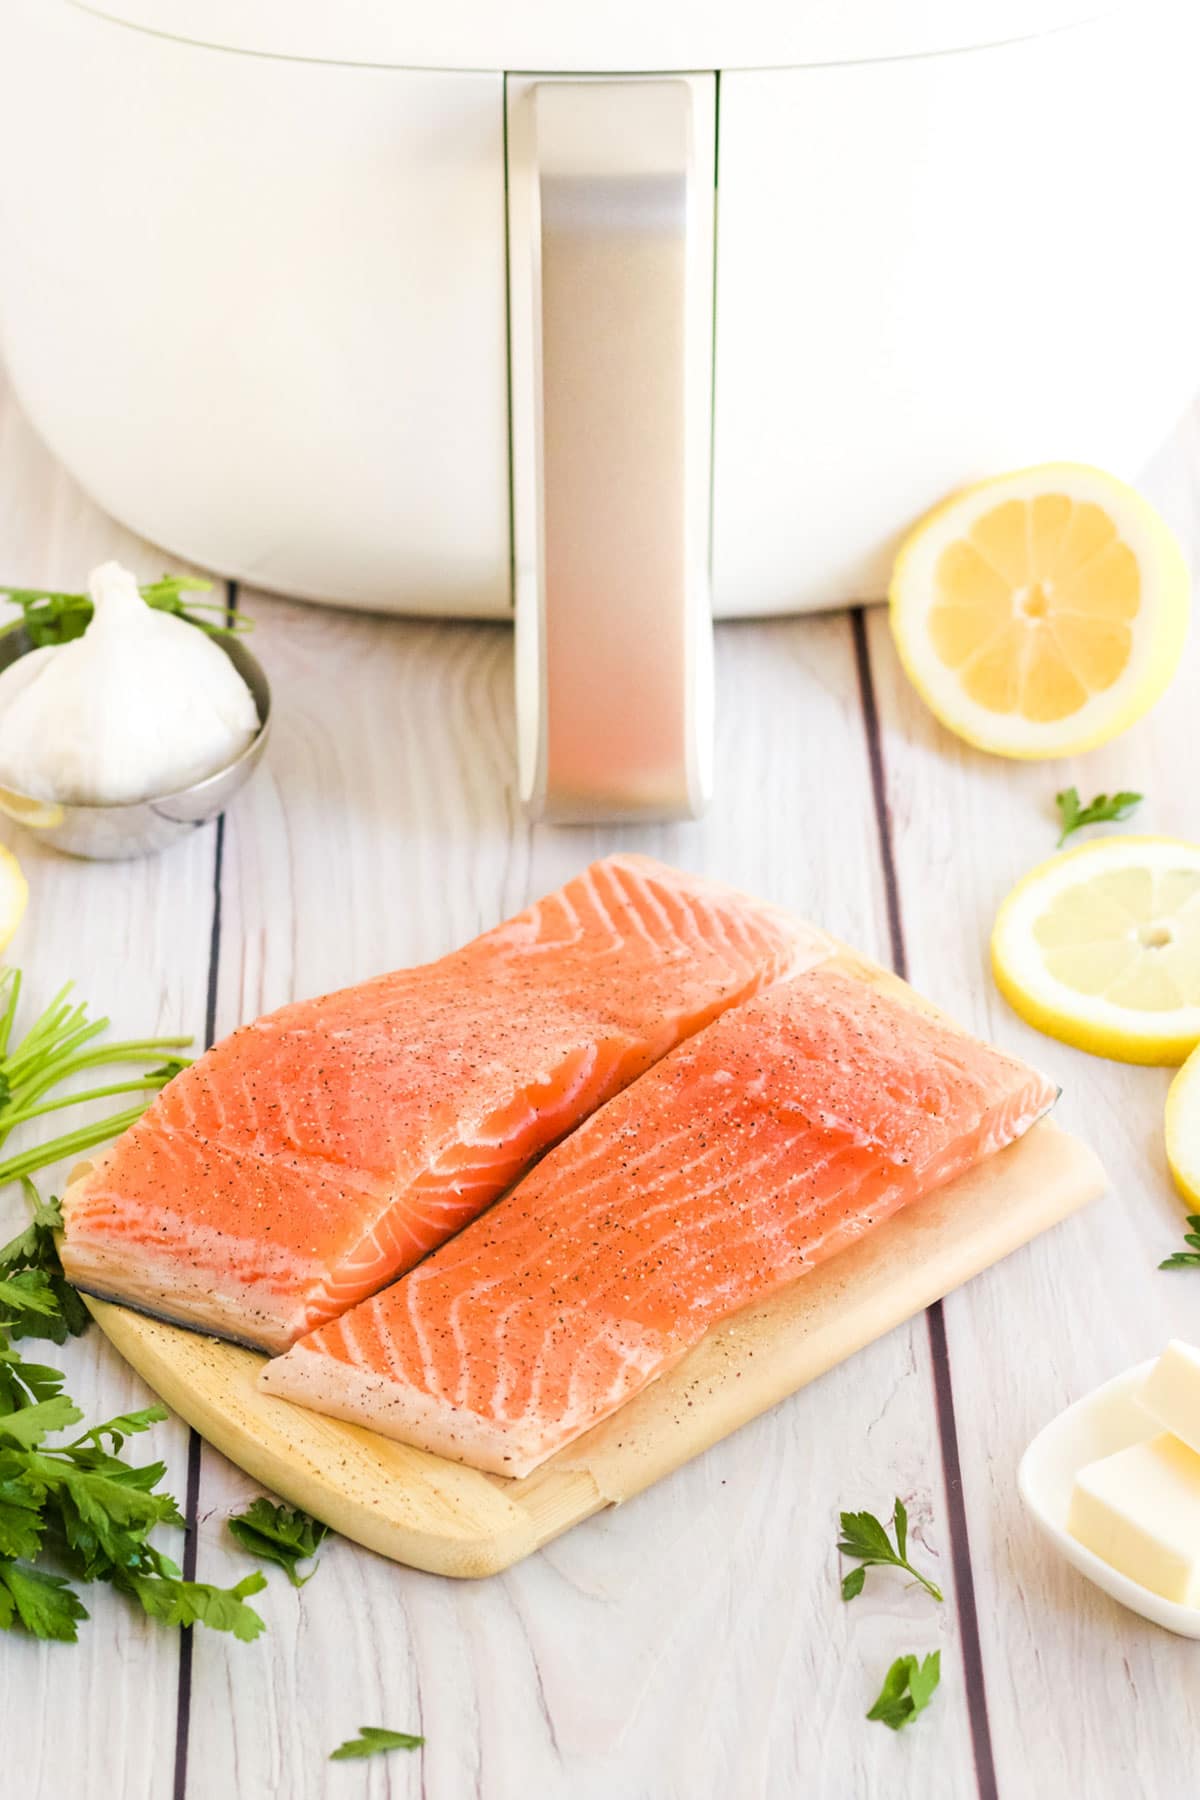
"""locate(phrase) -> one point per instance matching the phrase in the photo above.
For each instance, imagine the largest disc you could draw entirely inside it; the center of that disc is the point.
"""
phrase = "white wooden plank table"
(691, 1645)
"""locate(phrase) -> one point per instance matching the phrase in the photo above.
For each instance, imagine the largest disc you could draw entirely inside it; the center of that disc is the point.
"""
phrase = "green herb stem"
(48, 1021)
(145, 1050)
(17, 1066)
(71, 1144)
(48, 1010)
(11, 980)
(130, 1050)
(150, 1083)
(61, 1043)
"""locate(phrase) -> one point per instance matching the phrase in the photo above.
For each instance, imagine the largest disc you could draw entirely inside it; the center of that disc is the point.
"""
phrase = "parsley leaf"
(28, 1290)
(279, 1534)
(1186, 1259)
(371, 1740)
(22, 1383)
(32, 1423)
(852, 1584)
(36, 1299)
(21, 1521)
(57, 618)
(908, 1688)
(104, 1513)
(1072, 816)
(865, 1539)
(46, 1605)
(900, 1521)
(123, 1426)
(178, 1602)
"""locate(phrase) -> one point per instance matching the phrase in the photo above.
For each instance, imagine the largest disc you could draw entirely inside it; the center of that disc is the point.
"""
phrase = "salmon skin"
(315, 1155)
(771, 1140)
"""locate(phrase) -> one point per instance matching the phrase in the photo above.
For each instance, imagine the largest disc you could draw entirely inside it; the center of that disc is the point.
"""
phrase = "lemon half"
(1182, 1126)
(1101, 947)
(1041, 613)
(14, 895)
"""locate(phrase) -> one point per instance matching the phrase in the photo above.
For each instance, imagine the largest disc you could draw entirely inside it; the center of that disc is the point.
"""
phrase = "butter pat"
(1139, 1511)
(1172, 1392)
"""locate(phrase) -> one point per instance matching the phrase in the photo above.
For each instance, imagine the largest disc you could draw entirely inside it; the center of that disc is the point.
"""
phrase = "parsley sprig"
(279, 1534)
(908, 1687)
(48, 617)
(371, 1740)
(865, 1539)
(1100, 811)
(77, 1511)
(1186, 1259)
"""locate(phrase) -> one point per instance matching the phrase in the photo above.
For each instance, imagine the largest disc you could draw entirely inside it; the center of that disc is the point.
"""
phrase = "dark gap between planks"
(183, 1701)
(935, 1318)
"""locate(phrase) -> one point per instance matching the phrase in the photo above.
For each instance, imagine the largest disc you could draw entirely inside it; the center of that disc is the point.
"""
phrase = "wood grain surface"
(691, 1644)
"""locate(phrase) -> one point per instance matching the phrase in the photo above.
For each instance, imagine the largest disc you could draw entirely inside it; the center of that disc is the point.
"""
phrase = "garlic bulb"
(141, 704)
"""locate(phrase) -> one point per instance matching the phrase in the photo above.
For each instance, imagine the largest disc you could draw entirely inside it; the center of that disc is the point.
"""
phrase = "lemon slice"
(1041, 613)
(35, 815)
(1101, 947)
(14, 893)
(1182, 1125)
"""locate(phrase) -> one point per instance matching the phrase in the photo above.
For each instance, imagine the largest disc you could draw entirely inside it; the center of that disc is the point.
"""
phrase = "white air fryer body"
(363, 308)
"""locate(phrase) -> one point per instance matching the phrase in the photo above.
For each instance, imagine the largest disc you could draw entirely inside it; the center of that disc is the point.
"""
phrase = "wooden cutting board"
(434, 1514)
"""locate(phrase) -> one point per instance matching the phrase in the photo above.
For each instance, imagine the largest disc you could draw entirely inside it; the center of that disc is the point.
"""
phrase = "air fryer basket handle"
(611, 198)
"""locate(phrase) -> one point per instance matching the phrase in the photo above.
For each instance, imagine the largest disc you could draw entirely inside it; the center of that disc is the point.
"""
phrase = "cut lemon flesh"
(14, 894)
(1182, 1126)
(35, 815)
(1041, 613)
(1101, 947)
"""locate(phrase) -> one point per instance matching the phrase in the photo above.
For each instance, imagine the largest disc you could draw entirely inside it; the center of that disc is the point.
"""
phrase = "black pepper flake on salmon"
(317, 1154)
(600, 1270)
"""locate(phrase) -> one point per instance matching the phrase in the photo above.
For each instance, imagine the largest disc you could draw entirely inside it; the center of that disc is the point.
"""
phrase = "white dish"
(1107, 1420)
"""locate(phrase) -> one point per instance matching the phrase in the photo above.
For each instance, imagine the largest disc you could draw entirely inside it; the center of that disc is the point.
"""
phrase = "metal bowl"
(113, 833)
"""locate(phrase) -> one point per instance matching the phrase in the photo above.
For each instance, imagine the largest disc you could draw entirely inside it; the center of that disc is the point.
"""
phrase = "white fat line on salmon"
(621, 903)
(698, 1222)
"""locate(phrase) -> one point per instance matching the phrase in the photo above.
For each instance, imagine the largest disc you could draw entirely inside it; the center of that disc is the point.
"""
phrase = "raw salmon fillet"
(315, 1155)
(764, 1145)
